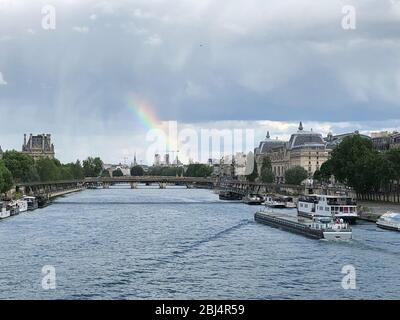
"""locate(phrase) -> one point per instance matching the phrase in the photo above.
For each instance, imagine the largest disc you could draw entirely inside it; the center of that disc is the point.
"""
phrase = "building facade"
(306, 149)
(39, 146)
(332, 141)
(395, 141)
(264, 149)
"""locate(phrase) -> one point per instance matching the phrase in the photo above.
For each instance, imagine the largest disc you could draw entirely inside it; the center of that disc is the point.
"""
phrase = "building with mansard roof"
(305, 148)
(264, 148)
(39, 146)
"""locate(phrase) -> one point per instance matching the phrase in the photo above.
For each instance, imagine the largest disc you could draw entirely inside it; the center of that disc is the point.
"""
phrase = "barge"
(317, 228)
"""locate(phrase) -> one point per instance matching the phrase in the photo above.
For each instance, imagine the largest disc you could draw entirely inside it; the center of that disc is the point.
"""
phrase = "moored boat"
(4, 211)
(21, 204)
(339, 207)
(252, 199)
(32, 202)
(389, 221)
(227, 195)
(274, 202)
(289, 202)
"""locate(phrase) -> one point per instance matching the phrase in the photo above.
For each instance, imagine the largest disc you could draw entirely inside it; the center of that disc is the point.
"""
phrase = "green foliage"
(6, 179)
(254, 175)
(165, 171)
(325, 172)
(92, 167)
(117, 173)
(137, 171)
(295, 175)
(356, 163)
(198, 170)
(21, 166)
(48, 169)
(105, 174)
(267, 176)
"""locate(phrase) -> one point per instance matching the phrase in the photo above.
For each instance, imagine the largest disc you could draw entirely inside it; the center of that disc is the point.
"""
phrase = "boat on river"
(389, 221)
(252, 199)
(227, 195)
(32, 202)
(4, 211)
(274, 202)
(317, 228)
(341, 207)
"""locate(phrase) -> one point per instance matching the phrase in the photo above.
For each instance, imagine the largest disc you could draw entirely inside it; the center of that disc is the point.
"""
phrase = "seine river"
(180, 243)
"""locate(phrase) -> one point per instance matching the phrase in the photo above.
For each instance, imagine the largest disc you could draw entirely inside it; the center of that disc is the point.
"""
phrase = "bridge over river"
(52, 189)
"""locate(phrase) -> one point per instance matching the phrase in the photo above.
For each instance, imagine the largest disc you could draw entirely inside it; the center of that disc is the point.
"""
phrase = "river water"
(180, 243)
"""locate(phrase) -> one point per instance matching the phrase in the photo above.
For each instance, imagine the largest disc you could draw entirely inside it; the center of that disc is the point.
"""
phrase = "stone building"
(305, 148)
(395, 141)
(39, 146)
(332, 141)
(264, 149)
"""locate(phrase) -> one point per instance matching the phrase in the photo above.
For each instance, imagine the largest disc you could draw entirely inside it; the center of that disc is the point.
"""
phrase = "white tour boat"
(389, 221)
(21, 204)
(272, 201)
(4, 212)
(32, 202)
(340, 207)
(289, 202)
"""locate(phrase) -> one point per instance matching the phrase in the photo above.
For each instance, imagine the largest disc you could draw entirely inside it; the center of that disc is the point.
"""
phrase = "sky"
(111, 71)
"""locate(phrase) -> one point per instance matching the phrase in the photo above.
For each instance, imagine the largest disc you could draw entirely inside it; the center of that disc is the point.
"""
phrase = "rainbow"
(144, 113)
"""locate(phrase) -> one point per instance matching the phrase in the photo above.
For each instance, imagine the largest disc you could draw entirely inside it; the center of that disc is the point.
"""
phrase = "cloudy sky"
(258, 64)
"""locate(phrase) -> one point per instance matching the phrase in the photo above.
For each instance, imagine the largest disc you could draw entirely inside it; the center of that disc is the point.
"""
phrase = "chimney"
(24, 140)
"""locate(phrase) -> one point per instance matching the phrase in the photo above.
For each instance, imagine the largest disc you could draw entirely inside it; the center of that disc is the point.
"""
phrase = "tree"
(198, 170)
(92, 167)
(117, 173)
(48, 169)
(75, 170)
(356, 163)
(21, 166)
(325, 172)
(137, 171)
(254, 175)
(6, 179)
(267, 176)
(295, 175)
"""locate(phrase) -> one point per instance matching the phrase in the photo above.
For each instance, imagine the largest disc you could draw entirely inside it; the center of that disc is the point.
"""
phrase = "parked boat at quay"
(316, 228)
(341, 207)
(13, 208)
(274, 201)
(21, 204)
(227, 195)
(32, 202)
(389, 221)
(252, 199)
(4, 211)
(289, 202)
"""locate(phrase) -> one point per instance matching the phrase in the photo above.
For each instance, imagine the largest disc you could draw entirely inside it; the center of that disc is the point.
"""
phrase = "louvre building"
(39, 146)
